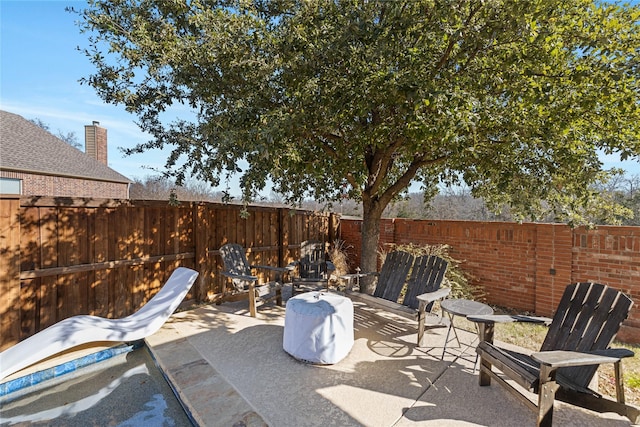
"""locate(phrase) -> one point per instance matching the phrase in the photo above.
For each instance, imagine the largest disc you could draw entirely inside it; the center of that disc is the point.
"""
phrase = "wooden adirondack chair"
(237, 269)
(313, 269)
(584, 325)
(423, 289)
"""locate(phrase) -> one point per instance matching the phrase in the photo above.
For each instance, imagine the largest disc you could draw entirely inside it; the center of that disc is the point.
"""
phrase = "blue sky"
(39, 72)
(40, 69)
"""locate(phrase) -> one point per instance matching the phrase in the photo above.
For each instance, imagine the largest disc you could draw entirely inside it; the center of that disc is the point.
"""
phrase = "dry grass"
(530, 336)
(338, 254)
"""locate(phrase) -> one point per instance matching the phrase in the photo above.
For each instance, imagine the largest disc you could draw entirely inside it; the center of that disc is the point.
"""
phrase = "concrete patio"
(230, 370)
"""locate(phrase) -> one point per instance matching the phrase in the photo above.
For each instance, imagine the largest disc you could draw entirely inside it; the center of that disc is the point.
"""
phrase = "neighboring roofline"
(28, 148)
(90, 178)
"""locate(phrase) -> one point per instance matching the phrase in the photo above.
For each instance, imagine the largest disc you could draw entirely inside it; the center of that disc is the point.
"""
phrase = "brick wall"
(58, 186)
(525, 266)
(611, 255)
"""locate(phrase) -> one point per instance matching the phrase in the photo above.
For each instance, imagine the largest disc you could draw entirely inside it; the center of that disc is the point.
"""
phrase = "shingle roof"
(26, 147)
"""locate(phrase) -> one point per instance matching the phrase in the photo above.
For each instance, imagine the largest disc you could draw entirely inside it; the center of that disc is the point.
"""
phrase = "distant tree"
(454, 203)
(625, 190)
(162, 188)
(458, 203)
(335, 98)
(70, 137)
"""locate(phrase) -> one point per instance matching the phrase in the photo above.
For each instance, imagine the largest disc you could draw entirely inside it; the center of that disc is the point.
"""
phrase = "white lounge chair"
(83, 329)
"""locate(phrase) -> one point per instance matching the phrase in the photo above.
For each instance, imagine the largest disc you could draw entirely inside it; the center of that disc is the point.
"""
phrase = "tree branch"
(452, 42)
(406, 178)
(382, 160)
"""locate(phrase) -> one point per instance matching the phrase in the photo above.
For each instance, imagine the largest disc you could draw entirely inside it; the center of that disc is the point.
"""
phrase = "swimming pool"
(126, 389)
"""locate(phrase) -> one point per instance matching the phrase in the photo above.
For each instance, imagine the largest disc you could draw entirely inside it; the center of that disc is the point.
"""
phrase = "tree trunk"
(371, 214)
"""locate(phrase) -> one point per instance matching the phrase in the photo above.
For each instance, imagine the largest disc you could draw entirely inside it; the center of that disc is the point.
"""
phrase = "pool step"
(207, 397)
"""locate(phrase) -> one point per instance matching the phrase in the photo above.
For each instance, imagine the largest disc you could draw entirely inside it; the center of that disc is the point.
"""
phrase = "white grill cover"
(318, 327)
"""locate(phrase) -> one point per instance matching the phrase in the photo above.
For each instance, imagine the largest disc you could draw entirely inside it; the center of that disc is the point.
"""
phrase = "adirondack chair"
(313, 269)
(238, 270)
(577, 342)
(423, 289)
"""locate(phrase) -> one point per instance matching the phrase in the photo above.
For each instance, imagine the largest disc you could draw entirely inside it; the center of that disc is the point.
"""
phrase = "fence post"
(9, 271)
(202, 230)
(282, 237)
(334, 224)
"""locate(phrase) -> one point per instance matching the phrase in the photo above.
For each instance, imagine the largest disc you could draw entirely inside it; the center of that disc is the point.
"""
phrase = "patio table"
(461, 307)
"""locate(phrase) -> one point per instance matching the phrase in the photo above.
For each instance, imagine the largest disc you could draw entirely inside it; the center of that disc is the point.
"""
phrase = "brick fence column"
(553, 253)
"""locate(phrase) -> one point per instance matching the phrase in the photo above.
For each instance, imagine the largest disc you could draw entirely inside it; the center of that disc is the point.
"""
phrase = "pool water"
(125, 390)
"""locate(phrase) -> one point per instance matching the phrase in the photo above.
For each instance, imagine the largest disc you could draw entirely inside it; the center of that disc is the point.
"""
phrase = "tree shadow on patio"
(381, 375)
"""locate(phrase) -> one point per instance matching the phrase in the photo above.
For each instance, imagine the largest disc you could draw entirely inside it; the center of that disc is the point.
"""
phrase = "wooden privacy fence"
(60, 257)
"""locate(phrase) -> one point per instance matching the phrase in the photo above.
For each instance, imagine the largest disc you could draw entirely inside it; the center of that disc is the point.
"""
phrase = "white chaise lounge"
(83, 329)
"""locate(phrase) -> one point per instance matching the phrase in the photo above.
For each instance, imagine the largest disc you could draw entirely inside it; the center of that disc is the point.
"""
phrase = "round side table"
(464, 308)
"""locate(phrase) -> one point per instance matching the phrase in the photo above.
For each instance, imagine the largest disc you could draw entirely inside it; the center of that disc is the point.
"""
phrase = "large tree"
(331, 98)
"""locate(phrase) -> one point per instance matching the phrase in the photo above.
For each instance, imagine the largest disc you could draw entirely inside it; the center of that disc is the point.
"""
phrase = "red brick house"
(33, 162)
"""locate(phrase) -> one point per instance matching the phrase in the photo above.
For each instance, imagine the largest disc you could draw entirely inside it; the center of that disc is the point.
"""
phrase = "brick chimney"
(95, 142)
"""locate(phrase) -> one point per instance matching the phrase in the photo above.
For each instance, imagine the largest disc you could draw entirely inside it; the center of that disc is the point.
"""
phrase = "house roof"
(26, 147)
